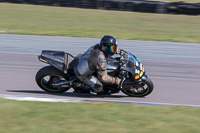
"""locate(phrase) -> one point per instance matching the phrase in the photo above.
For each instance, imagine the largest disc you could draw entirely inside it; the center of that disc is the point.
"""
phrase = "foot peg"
(93, 92)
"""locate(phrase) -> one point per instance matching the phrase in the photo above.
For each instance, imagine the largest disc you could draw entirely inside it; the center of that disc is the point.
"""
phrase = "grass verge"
(32, 117)
(63, 21)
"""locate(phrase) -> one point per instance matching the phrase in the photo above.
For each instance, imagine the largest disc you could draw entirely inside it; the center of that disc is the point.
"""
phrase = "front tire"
(143, 88)
(48, 75)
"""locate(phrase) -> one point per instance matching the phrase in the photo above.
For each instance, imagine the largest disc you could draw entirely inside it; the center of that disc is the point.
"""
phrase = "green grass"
(63, 21)
(34, 117)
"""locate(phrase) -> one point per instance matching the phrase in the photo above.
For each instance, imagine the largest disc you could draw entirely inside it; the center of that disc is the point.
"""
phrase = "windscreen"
(132, 63)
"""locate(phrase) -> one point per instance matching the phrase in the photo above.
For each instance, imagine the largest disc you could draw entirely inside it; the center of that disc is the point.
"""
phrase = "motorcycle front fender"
(144, 77)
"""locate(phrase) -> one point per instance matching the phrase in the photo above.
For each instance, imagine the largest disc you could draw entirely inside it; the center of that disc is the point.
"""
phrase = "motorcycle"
(59, 77)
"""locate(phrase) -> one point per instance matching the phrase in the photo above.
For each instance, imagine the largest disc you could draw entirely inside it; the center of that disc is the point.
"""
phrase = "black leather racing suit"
(85, 65)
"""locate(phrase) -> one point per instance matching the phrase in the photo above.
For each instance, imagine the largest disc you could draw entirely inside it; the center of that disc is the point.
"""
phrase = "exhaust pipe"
(64, 84)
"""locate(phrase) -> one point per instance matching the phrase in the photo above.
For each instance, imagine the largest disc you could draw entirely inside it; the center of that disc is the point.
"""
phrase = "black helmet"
(108, 45)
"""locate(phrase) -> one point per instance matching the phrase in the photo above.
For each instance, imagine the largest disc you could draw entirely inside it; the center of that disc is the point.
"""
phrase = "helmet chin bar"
(108, 53)
(106, 49)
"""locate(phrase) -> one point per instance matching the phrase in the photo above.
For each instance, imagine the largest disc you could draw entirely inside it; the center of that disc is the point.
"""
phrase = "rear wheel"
(48, 75)
(143, 88)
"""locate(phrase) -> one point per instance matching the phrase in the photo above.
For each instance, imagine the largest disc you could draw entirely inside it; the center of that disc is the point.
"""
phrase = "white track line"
(26, 98)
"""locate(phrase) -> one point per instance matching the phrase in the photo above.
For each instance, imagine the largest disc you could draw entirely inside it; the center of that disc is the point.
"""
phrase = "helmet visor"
(113, 49)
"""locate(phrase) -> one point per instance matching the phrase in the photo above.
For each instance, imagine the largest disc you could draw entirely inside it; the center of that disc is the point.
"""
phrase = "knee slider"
(98, 86)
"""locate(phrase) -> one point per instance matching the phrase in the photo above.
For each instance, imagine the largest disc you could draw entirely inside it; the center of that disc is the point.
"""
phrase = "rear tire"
(47, 75)
(144, 88)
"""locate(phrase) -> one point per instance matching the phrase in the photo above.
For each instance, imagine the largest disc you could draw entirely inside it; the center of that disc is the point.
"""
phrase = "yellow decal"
(137, 76)
(141, 74)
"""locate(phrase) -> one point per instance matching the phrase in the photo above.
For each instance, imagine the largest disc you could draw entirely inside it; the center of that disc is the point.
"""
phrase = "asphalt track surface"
(174, 69)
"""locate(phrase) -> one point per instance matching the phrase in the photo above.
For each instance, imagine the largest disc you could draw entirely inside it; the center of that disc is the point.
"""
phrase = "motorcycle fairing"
(133, 65)
(58, 59)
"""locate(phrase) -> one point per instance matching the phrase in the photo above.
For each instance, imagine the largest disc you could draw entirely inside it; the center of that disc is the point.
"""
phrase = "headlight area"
(139, 73)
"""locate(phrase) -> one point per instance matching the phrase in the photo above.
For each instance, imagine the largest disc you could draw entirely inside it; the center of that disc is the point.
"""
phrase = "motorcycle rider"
(94, 61)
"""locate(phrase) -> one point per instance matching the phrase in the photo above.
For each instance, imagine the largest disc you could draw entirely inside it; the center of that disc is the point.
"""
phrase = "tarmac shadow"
(69, 94)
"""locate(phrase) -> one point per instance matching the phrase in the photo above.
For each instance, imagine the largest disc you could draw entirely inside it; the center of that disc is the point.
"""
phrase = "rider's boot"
(77, 87)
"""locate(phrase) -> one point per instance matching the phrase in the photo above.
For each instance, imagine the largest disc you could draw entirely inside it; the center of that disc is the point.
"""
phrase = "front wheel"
(48, 75)
(143, 88)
